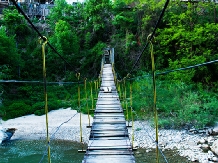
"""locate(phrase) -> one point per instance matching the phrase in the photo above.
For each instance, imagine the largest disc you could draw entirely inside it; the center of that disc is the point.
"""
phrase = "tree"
(10, 59)
(97, 15)
(187, 41)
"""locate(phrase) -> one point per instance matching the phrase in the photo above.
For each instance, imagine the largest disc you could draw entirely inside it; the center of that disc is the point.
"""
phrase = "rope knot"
(41, 39)
(78, 75)
(150, 38)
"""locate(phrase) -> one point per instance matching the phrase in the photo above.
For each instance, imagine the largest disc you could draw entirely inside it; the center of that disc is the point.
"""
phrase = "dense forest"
(187, 35)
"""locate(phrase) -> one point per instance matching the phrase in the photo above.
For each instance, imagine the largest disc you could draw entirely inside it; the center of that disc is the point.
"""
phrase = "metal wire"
(189, 67)
(174, 70)
(52, 136)
(41, 36)
(153, 139)
(152, 35)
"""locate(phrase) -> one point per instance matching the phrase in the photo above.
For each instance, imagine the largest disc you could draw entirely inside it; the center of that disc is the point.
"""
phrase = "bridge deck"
(109, 139)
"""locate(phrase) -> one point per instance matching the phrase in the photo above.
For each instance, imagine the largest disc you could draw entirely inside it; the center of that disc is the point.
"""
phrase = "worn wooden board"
(109, 140)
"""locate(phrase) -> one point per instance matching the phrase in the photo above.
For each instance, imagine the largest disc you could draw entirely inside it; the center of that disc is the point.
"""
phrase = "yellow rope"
(45, 94)
(87, 106)
(126, 104)
(132, 113)
(119, 90)
(91, 95)
(155, 97)
(96, 93)
(96, 89)
(99, 82)
(81, 134)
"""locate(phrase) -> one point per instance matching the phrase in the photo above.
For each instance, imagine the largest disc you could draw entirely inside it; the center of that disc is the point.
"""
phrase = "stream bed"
(35, 151)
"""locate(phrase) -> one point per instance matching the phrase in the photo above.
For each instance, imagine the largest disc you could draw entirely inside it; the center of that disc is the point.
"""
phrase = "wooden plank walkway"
(109, 140)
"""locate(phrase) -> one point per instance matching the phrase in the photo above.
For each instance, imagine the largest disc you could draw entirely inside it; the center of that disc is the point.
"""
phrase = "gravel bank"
(63, 124)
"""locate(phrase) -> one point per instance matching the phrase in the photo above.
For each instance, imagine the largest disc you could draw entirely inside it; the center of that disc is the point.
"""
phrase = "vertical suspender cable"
(78, 78)
(126, 104)
(131, 113)
(91, 95)
(95, 85)
(87, 106)
(45, 94)
(155, 97)
(99, 81)
(119, 90)
(113, 70)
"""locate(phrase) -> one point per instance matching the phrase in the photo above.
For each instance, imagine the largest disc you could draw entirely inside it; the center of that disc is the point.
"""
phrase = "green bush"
(17, 109)
(178, 103)
(39, 107)
(39, 112)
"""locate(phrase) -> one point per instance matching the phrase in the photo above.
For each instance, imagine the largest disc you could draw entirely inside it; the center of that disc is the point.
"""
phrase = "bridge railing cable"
(56, 130)
(188, 67)
(53, 135)
(175, 70)
(149, 135)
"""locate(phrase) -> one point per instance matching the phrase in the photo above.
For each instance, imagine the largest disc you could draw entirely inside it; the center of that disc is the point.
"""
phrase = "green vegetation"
(187, 35)
(179, 104)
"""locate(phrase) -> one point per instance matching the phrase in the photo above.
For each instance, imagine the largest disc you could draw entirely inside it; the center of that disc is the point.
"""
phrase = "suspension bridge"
(109, 140)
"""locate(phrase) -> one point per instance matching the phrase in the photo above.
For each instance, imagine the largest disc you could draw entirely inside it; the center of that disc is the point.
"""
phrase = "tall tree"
(10, 59)
(97, 15)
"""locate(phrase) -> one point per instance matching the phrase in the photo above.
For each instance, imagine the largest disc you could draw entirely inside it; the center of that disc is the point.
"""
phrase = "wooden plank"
(109, 126)
(108, 96)
(108, 102)
(109, 139)
(110, 152)
(102, 115)
(109, 106)
(108, 111)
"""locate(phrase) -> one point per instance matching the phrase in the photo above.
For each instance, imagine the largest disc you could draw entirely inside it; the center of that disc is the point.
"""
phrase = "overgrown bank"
(179, 104)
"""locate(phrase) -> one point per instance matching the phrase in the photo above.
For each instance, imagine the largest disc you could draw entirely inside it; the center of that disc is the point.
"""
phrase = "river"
(32, 151)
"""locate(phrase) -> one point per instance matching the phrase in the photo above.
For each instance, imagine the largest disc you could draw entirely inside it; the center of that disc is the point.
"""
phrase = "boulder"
(215, 159)
(3, 135)
(205, 147)
(214, 147)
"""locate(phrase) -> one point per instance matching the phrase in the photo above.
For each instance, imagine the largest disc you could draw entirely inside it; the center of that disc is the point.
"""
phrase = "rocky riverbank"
(196, 147)
(64, 124)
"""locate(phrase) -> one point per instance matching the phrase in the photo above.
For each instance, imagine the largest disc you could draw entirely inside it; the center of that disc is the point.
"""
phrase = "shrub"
(39, 107)
(17, 109)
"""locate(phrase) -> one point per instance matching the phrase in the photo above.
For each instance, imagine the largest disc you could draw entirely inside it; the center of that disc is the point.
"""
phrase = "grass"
(179, 105)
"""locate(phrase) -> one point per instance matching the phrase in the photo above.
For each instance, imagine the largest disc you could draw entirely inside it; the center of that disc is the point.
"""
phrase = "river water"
(34, 151)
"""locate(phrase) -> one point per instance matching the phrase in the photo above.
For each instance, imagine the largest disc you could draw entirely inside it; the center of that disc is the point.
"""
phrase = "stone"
(205, 147)
(201, 141)
(215, 159)
(215, 130)
(163, 143)
(210, 155)
(214, 147)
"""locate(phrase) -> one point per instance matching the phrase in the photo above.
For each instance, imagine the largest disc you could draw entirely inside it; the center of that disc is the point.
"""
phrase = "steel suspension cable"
(152, 35)
(179, 69)
(188, 67)
(41, 36)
